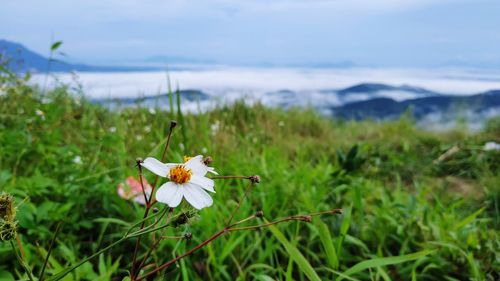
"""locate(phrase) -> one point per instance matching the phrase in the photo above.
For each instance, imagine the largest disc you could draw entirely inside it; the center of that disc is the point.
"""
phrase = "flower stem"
(306, 218)
(22, 262)
(61, 275)
(148, 203)
(239, 204)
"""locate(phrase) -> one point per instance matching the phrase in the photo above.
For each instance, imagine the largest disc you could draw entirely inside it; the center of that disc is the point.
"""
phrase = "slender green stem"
(58, 227)
(61, 275)
(128, 234)
(22, 262)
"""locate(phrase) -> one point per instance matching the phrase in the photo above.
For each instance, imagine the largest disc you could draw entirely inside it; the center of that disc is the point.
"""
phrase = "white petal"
(204, 182)
(212, 170)
(156, 166)
(196, 165)
(196, 196)
(170, 194)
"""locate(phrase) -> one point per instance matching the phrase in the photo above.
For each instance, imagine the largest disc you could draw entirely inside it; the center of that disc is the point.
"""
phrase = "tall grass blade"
(469, 219)
(170, 95)
(376, 262)
(327, 241)
(296, 255)
(344, 227)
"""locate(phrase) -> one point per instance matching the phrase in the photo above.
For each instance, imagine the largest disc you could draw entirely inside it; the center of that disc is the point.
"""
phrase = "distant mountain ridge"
(377, 87)
(18, 58)
(386, 108)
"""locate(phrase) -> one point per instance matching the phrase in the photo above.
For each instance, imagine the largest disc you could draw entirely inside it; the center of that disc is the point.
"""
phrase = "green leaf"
(376, 262)
(327, 241)
(344, 227)
(295, 254)
(112, 220)
(56, 45)
(468, 219)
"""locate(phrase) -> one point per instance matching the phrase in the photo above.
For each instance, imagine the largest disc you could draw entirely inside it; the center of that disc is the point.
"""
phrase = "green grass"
(406, 216)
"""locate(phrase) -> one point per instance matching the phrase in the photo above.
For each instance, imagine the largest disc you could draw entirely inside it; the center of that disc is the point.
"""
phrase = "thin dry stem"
(239, 203)
(149, 204)
(226, 229)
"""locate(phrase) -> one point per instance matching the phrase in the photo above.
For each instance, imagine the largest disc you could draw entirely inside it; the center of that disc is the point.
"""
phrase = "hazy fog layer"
(230, 83)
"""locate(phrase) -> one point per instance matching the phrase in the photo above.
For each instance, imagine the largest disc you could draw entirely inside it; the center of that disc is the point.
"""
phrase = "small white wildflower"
(204, 150)
(491, 145)
(112, 129)
(45, 100)
(40, 113)
(152, 111)
(77, 160)
(214, 128)
(147, 129)
(138, 137)
(187, 180)
(181, 146)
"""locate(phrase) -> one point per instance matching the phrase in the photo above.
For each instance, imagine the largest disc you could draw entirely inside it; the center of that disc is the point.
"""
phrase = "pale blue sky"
(411, 33)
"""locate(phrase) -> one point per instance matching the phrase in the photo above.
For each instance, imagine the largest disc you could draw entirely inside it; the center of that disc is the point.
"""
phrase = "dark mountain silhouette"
(377, 87)
(386, 108)
(18, 58)
(162, 100)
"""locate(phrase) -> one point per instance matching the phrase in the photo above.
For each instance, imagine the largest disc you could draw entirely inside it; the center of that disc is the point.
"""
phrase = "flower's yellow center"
(179, 174)
(187, 158)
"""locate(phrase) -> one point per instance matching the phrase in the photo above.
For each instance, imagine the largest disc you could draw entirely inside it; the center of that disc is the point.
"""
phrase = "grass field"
(407, 213)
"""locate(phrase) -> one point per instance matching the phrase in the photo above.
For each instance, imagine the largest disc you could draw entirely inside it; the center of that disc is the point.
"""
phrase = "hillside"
(18, 58)
(481, 105)
(415, 204)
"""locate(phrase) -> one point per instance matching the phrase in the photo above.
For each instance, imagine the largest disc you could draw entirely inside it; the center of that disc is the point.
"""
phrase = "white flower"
(40, 113)
(112, 129)
(491, 145)
(214, 128)
(186, 180)
(152, 111)
(77, 160)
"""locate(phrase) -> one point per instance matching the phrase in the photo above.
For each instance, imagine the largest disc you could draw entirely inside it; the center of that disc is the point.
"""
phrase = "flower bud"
(207, 160)
(183, 218)
(254, 179)
(259, 214)
(173, 123)
(188, 235)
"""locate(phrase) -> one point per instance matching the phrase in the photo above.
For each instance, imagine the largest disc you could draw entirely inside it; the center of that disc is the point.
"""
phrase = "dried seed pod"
(254, 179)
(8, 230)
(7, 209)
